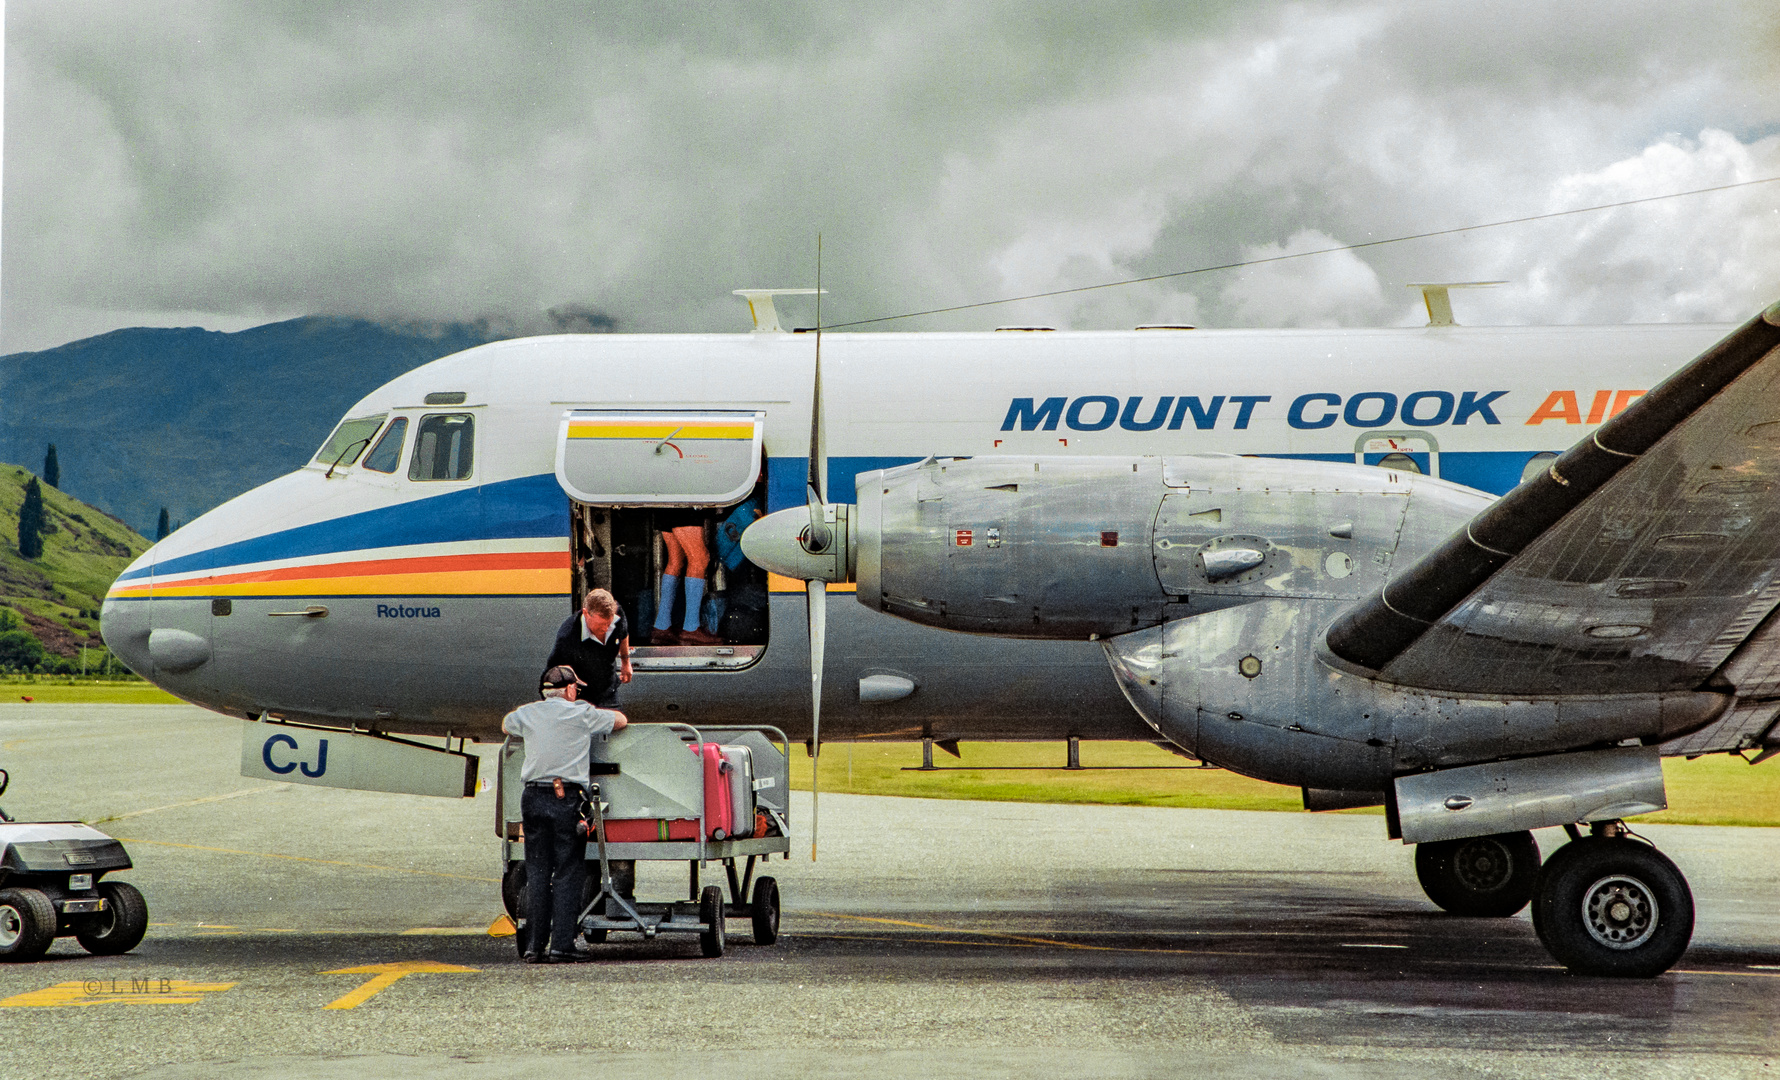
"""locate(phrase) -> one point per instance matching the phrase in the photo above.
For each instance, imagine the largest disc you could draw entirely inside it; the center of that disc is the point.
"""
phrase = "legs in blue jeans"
(555, 868)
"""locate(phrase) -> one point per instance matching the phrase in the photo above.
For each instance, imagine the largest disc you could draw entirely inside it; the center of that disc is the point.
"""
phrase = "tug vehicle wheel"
(1481, 876)
(119, 928)
(765, 910)
(1613, 906)
(27, 925)
(710, 912)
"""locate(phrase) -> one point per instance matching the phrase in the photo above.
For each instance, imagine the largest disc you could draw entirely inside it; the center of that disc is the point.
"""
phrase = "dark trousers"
(555, 867)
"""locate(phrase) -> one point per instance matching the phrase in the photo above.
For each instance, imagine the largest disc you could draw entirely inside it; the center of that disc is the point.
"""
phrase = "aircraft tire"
(710, 912)
(119, 928)
(1614, 907)
(1480, 876)
(27, 925)
(765, 911)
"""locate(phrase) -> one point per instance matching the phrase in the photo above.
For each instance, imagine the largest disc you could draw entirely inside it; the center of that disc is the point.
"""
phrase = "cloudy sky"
(224, 164)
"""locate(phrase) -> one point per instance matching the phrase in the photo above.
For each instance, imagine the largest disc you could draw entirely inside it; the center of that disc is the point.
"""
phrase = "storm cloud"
(225, 164)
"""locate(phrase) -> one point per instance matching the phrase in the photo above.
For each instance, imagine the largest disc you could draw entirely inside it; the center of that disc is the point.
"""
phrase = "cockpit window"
(444, 447)
(388, 452)
(349, 440)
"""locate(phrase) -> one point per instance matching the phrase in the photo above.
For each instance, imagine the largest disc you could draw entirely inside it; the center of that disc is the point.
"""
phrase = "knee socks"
(664, 611)
(695, 599)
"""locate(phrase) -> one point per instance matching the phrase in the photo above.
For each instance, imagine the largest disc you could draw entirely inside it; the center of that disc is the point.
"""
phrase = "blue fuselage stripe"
(535, 507)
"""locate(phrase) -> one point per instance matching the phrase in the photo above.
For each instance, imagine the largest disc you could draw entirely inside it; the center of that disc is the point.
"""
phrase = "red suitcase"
(650, 830)
(719, 800)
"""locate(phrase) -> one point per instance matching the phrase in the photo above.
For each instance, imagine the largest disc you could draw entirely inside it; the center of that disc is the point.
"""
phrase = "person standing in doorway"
(683, 534)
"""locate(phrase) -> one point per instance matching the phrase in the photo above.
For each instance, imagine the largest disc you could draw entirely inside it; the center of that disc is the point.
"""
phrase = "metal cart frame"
(705, 910)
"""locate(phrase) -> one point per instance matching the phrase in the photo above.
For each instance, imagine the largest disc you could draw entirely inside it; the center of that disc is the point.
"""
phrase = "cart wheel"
(590, 887)
(119, 928)
(766, 911)
(28, 925)
(513, 890)
(710, 912)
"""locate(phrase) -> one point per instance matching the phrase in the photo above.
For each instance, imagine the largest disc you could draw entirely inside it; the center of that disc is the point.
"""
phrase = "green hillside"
(56, 598)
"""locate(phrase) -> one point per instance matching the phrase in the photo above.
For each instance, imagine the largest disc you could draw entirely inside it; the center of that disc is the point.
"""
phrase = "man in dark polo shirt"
(595, 642)
(558, 733)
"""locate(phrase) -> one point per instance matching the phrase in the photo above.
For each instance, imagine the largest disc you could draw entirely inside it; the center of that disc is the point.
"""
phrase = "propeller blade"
(816, 595)
(819, 535)
(818, 479)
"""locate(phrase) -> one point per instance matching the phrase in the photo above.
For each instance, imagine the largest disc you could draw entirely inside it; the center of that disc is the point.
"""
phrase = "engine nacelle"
(1053, 547)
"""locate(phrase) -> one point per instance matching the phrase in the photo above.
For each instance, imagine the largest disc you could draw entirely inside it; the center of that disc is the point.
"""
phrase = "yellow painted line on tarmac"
(82, 993)
(191, 802)
(307, 859)
(446, 931)
(385, 976)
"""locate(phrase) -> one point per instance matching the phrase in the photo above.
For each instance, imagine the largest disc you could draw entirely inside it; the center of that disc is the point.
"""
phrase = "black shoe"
(569, 957)
(532, 957)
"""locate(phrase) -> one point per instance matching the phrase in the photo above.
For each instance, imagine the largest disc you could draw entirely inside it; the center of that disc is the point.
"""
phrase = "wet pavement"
(933, 938)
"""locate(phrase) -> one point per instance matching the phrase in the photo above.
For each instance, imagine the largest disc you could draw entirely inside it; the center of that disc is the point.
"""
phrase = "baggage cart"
(669, 792)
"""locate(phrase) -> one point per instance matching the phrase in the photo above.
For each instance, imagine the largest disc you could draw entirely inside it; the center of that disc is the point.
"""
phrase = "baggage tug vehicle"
(50, 887)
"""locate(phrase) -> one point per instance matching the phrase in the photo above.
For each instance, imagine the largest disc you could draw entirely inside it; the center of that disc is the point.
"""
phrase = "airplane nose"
(781, 543)
(125, 627)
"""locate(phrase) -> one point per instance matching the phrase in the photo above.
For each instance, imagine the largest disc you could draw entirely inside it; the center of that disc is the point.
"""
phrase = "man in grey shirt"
(558, 733)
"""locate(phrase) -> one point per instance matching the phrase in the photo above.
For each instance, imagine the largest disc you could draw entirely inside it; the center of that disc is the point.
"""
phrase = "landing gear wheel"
(27, 925)
(119, 928)
(765, 910)
(1613, 906)
(1485, 876)
(710, 912)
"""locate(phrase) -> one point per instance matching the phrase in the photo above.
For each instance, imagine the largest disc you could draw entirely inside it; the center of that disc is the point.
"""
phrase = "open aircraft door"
(631, 473)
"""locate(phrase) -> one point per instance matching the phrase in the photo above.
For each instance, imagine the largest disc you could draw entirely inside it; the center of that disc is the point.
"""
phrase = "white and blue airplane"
(1247, 544)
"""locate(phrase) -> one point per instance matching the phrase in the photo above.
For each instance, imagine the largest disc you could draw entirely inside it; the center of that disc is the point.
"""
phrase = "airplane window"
(388, 453)
(349, 440)
(1536, 464)
(444, 448)
(1399, 462)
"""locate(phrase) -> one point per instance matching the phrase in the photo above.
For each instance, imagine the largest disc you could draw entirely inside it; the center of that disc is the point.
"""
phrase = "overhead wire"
(1303, 254)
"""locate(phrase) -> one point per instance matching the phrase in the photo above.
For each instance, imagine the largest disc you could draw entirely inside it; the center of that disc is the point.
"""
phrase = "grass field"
(1717, 790)
(86, 692)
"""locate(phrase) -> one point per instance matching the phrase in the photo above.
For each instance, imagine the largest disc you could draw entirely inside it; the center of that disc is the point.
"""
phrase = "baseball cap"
(559, 676)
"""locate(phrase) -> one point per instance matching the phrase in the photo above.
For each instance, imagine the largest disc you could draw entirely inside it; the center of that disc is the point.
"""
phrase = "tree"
(52, 469)
(162, 529)
(31, 521)
(19, 651)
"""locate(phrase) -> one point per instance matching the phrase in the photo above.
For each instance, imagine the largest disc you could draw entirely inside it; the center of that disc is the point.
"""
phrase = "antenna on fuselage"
(1434, 295)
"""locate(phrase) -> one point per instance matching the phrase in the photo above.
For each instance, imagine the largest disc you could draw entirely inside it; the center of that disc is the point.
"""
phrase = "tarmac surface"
(932, 939)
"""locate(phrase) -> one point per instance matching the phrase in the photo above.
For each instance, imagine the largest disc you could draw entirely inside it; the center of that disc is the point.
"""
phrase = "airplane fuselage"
(386, 601)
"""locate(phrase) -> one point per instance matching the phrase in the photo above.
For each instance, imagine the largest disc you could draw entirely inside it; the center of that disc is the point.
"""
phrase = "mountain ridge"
(188, 418)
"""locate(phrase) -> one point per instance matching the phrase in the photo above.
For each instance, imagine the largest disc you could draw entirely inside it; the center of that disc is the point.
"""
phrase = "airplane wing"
(1639, 562)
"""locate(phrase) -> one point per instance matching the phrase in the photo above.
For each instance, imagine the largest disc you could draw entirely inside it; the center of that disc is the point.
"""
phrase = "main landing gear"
(1604, 904)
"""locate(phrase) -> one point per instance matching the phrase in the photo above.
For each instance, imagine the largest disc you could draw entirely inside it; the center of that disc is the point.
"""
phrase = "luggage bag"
(739, 765)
